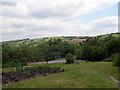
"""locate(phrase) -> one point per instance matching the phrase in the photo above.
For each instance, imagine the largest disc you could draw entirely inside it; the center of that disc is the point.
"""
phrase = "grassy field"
(83, 75)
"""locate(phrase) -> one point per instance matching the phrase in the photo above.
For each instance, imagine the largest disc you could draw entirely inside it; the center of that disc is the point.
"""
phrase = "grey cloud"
(12, 33)
(48, 13)
(50, 29)
(18, 25)
(33, 28)
(8, 3)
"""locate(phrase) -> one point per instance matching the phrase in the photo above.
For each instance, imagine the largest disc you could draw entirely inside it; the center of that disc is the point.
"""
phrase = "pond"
(57, 61)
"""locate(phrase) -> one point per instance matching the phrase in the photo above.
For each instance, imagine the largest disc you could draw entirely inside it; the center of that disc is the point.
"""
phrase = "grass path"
(84, 75)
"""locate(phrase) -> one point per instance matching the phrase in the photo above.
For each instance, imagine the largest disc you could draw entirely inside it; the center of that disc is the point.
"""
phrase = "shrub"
(55, 69)
(32, 72)
(8, 74)
(40, 70)
(38, 67)
(27, 69)
(116, 60)
(13, 77)
(108, 59)
(69, 58)
(16, 79)
(44, 69)
(27, 74)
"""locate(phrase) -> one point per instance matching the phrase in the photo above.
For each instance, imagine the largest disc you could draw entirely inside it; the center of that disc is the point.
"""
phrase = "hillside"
(36, 41)
(33, 50)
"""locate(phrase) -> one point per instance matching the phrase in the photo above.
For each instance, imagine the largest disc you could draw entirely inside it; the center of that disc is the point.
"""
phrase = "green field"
(83, 75)
(36, 41)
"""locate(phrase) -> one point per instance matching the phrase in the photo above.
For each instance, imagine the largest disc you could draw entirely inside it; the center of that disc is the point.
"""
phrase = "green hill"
(34, 42)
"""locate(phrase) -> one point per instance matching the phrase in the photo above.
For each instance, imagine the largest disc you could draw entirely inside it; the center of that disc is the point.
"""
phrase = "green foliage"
(27, 74)
(85, 53)
(55, 69)
(14, 77)
(69, 58)
(116, 60)
(8, 74)
(113, 46)
(108, 59)
(47, 49)
(19, 67)
(41, 69)
(27, 69)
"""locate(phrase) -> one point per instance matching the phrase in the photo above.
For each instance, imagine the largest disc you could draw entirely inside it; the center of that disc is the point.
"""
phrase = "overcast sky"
(44, 18)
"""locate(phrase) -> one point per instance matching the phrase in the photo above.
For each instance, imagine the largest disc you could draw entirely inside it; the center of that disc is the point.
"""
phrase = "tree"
(69, 58)
(79, 53)
(113, 46)
(116, 60)
(86, 52)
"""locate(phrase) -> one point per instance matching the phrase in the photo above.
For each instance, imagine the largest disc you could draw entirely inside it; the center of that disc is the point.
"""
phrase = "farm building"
(77, 40)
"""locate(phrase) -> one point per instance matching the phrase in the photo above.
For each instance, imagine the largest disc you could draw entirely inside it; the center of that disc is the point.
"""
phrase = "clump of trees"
(45, 51)
(69, 58)
(95, 49)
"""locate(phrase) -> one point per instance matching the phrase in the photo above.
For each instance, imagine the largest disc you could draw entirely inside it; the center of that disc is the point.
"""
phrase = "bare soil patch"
(13, 77)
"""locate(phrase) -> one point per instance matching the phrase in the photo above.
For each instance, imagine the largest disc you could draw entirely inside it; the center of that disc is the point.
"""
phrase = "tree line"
(94, 49)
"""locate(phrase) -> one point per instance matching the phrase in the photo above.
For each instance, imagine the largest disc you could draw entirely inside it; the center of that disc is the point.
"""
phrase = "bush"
(13, 77)
(27, 69)
(8, 74)
(69, 58)
(16, 79)
(108, 59)
(44, 69)
(27, 74)
(55, 69)
(116, 60)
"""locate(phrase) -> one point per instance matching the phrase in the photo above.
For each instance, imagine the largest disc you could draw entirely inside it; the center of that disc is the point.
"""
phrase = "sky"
(20, 19)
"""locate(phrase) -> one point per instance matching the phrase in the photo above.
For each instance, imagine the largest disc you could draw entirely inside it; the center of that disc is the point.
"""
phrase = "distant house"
(77, 40)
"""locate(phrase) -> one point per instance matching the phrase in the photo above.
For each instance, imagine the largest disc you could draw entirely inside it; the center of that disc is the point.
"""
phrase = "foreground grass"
(84, 75)
(8, 69)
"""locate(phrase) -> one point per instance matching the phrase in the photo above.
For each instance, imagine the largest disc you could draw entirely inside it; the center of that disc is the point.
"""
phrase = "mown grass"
(8, 69)
(12, 69)
(84, 75)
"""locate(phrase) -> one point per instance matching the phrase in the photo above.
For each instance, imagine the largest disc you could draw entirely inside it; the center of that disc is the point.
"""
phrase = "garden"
(82, 75)
(24, 73)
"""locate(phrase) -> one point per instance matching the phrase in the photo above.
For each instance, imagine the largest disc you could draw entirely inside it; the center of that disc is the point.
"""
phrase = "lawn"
(83, 75)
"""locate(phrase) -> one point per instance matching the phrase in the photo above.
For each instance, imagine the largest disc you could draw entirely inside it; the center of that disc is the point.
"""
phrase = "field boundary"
(111, 77)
